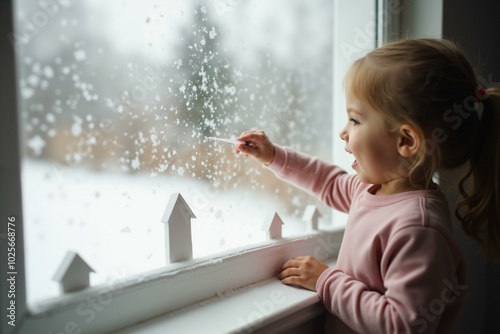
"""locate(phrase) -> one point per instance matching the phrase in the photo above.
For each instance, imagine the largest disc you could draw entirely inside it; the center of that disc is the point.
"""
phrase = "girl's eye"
(353, 121)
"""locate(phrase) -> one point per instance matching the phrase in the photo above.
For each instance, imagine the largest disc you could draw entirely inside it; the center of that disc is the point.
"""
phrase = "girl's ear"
(409, 140)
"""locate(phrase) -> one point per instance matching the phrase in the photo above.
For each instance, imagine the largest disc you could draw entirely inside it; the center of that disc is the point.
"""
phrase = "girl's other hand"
(260, 147)
(303, 271)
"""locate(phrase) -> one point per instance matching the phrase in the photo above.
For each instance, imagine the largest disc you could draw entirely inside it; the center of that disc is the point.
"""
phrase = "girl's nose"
(343, 134)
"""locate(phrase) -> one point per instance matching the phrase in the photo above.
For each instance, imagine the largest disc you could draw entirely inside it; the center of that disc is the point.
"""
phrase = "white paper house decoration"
(177, 219)
(73, 273)
(311, 217)
(273, 226)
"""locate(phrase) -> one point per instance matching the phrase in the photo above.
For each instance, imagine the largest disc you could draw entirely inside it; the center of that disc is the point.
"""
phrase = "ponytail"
(479, 209)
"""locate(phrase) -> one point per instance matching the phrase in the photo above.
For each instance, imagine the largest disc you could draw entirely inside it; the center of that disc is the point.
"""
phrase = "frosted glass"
(117, 99)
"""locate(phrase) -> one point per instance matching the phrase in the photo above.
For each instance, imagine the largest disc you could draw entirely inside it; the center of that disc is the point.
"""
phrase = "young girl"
(413, 107)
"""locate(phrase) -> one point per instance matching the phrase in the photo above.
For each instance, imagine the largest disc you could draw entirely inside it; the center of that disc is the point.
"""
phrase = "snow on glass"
(117, 99)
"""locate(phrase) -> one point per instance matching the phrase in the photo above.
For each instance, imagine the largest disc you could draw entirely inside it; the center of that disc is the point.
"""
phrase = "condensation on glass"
(116, 101)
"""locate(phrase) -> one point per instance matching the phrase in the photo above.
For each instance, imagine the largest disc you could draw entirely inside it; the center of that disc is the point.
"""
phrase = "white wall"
(422, 18)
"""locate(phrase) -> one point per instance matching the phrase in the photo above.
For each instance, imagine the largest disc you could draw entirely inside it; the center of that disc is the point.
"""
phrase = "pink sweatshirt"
(399, 269)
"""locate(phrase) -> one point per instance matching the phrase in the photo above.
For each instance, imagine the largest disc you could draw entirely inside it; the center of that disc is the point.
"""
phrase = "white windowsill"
(266, 307)
(198, 286)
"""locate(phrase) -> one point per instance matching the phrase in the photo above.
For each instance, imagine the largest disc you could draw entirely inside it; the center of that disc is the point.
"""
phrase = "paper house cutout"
(73, 273)
(177, 219)
(311, 217)
(273, 226)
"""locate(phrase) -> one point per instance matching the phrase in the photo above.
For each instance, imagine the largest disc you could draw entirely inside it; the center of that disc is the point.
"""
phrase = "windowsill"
(241, 280)
(267, 306)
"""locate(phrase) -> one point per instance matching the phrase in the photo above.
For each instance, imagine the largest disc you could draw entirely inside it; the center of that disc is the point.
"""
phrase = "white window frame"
(106, 308)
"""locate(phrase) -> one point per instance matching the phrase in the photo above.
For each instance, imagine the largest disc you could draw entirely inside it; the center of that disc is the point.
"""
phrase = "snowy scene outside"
(117, 100)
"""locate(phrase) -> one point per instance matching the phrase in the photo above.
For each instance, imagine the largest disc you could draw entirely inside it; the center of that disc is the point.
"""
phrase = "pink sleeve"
(328, 182)
(420, 281)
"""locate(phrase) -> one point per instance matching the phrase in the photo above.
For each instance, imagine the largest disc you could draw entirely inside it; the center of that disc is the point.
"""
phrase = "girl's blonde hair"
(430, 84)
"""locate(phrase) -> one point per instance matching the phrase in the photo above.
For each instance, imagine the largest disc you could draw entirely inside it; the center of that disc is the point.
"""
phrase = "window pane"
(117, 100)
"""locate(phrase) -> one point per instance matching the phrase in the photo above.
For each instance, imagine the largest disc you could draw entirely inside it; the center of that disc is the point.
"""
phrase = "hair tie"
(480, 94)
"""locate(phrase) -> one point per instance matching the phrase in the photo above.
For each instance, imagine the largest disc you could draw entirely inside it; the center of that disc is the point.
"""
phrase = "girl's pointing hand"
(259, 146)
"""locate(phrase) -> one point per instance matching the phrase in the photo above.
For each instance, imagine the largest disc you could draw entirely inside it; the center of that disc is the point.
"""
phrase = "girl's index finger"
(247, 142)
(247, 137)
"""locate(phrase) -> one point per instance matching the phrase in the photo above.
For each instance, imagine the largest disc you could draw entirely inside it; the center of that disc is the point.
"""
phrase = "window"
(116, 101)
